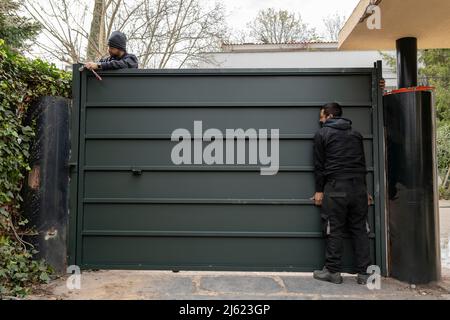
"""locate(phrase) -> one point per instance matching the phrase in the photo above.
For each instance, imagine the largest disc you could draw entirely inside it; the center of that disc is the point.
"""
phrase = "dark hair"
(332, 108)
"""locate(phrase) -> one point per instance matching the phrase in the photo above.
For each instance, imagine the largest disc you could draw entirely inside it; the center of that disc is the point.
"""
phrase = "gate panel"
(134, 208)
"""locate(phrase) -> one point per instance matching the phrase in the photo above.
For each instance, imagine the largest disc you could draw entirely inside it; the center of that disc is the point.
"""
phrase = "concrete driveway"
(122, 284)
(119, 284)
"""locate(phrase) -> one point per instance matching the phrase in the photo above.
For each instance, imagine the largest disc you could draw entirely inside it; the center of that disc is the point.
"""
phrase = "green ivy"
(443, 147)
(18, 270)
(22, 81)
(443, 155)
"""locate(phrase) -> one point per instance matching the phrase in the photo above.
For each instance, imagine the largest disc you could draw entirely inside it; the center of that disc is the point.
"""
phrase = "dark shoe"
(362, 278)
(326, 275)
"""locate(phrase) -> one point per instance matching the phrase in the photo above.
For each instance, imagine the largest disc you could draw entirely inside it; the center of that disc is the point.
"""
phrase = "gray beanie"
(118, 40)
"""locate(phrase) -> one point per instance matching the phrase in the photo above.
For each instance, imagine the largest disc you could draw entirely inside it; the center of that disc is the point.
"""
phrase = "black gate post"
(407, 62)
(46, 191)
(413, 220)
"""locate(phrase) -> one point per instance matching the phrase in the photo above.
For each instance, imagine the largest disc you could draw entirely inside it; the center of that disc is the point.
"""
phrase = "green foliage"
(443, 155)
(18, 271)
(14, 29)
(21, 82)
(443, 147)
(444, 193)
(436, 72)
(391, 60)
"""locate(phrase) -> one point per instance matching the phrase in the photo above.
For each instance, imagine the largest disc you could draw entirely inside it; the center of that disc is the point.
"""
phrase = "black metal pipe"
(407, 62)
(413, 218)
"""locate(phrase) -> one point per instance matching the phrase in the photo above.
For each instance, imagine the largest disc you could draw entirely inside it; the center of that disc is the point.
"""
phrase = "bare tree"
(67, 35)
(282, 26)
(162, 33)
(176, 33)
(63, 36)
(333, 24)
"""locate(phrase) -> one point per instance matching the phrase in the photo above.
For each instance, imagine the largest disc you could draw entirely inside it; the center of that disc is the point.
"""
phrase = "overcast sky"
(239, 12)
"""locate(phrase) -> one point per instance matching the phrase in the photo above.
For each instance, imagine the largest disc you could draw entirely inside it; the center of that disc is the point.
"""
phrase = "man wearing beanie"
(118, 58)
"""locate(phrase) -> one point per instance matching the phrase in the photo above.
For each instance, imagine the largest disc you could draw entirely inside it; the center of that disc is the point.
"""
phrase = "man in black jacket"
(118, 58)
(341, 191)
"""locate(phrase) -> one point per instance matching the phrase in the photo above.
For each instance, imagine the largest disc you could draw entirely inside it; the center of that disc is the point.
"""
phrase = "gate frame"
(78, 116)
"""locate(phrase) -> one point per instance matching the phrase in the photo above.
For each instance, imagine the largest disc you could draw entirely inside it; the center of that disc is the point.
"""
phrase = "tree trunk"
(97, 38)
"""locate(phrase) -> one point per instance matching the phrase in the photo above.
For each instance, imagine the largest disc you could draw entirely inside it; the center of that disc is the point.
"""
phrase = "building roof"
(276, 47)
(427, 20)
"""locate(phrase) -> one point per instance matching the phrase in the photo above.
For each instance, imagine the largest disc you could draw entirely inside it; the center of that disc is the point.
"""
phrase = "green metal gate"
(132, 208)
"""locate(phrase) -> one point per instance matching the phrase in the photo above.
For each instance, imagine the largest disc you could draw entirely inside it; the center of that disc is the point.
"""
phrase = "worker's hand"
(91, 65)
(317, 198)
(382, 84)
(370, 199)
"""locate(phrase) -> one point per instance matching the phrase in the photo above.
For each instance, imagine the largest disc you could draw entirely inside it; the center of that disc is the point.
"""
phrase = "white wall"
(301, 59)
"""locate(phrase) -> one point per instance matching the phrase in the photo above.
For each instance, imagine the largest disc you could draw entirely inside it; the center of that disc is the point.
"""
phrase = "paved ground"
(228, 285)
(243, 285)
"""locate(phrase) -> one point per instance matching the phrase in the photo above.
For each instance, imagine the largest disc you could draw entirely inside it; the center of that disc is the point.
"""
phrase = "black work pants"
(345, 207)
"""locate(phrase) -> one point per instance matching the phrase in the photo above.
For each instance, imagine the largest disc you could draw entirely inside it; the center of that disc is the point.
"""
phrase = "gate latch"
(72, 167)
(136, 171)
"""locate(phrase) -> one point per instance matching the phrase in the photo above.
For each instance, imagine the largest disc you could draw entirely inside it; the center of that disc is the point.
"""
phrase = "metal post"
(407, 62)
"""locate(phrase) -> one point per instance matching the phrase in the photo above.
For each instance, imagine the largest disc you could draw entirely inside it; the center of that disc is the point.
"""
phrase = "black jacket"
(338, 152)
(128, 60)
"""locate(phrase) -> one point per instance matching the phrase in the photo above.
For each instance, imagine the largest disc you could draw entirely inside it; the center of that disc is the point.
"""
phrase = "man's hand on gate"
(91, 65)
(317, 198)
(382, 84)
(370, 199)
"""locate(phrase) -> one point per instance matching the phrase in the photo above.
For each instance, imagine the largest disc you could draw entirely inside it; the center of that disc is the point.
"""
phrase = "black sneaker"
(326, 275)
(362, 278)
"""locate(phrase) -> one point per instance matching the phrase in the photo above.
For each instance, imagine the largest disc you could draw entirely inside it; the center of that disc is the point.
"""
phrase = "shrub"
(21, 82)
